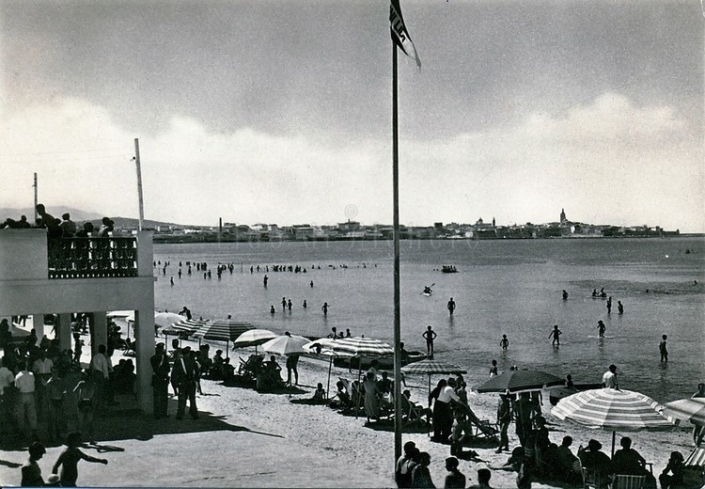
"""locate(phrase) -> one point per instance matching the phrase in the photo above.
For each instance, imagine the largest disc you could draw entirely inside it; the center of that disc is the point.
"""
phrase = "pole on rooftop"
(36, 201)
(139, 183)
(397, 287)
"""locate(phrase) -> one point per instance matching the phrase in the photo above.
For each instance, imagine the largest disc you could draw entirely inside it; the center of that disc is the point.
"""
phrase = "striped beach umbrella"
(189, 326)
(362, 347)
(696, 458)
(322, 346)
(612, 409)
(692, 409)
(223, 330)
(432, 367)
(516, 381)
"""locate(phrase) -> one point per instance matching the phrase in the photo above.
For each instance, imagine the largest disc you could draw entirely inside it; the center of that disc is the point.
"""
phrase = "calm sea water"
(502, 287)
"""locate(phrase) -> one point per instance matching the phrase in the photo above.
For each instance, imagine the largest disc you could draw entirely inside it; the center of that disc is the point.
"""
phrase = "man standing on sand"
(160, 381)
(451, 306)
(609, 379)
(662, 348)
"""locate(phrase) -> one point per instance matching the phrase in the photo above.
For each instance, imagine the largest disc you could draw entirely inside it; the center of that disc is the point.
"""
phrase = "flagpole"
(397, 287)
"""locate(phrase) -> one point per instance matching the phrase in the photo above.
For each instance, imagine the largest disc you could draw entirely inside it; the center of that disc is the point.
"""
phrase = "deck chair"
(129, 347)
(623, 481)
(594, 480)
(411, 413)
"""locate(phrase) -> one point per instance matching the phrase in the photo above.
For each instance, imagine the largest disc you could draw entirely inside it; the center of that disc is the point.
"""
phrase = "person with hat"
(185, 376)
(455, 478)
(597, 463)
(31, 473)
(160, 381)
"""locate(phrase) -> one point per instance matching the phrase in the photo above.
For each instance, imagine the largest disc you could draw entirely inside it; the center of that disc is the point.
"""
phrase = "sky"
(279, 111)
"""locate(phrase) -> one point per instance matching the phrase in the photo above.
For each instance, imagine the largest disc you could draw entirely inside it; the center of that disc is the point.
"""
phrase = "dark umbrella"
(223, 330)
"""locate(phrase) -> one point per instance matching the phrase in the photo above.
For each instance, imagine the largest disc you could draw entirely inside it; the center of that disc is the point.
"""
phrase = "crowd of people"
(43, 385)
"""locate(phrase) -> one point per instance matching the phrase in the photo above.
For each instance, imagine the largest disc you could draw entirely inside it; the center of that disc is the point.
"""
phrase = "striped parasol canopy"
(223, 330)
(432, 367)
(362, 347)
(254, 337)
(515, 381)
(692, 409)
(612, 409)
(189, 326)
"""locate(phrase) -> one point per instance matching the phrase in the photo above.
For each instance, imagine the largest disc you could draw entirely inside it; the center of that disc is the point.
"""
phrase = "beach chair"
(594, 480)
(129, 348)
(412, 414)
(623, 481)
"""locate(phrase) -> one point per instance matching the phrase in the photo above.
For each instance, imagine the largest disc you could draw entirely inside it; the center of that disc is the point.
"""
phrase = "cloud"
(607, 161)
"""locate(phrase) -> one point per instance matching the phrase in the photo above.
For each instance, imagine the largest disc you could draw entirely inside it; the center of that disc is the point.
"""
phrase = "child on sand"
(69, 458)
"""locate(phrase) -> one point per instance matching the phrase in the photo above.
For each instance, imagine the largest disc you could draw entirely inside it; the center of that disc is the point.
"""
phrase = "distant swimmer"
(594, 293)
(271, 310)
(427, 290)
(348, 334)
(504, 342)
(429, 335)
(324, 308)
(662, 348)
(556, 334)
(265, 280)
(171, 280)
(565, 295)
(312, 283)
(305, 305)
(620, 307)
(289, 304)
(603, 294)
(601, 328)
(284, 303)
(609, 305)
(451, 306)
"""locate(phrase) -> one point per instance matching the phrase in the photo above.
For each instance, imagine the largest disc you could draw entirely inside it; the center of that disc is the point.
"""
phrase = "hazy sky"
(280, 110)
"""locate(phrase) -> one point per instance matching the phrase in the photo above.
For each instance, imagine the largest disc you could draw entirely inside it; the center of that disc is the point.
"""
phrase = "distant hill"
(80, 216)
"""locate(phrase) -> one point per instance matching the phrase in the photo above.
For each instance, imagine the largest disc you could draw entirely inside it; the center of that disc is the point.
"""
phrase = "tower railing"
(70, 258)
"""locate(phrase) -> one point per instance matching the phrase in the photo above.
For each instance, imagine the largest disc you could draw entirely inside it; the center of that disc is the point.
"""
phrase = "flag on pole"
(400, 36)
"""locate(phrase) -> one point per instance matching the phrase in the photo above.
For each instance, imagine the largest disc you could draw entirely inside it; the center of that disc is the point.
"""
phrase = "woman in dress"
(371, 397)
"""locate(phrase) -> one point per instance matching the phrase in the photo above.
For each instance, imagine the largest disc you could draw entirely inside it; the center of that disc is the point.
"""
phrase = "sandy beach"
(250, 439)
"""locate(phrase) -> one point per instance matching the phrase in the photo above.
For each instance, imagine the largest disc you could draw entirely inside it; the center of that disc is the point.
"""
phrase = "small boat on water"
(558, 393)
(449, 269)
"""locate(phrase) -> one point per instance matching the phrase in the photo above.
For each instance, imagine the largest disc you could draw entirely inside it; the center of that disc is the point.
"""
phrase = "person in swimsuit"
(69, 458)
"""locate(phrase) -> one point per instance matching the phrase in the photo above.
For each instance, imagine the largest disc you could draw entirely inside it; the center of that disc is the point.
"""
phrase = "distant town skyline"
(280, 111)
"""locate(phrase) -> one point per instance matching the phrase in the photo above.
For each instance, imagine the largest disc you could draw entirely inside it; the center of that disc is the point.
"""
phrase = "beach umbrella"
(696, 458)
(363, 348)
(517, 381)
(322, 347)
(285, 345)
(691, 409)
(166, 319)
(432, 367)
(612, 409)
(223, 330)
(254, 337)
(189, 326)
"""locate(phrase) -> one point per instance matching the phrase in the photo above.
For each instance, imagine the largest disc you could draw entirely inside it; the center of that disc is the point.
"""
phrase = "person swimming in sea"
(427, 290)
(601, 328)
(556, 334)
(565, 295)
(504, 342)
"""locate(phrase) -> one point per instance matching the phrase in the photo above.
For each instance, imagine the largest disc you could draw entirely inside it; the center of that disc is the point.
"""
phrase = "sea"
(511, 287)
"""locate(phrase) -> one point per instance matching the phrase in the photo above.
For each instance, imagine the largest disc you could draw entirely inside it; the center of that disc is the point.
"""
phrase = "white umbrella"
(167, 319)
(285, 345)
(612, 409)
(691, 409)
(254, 337)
